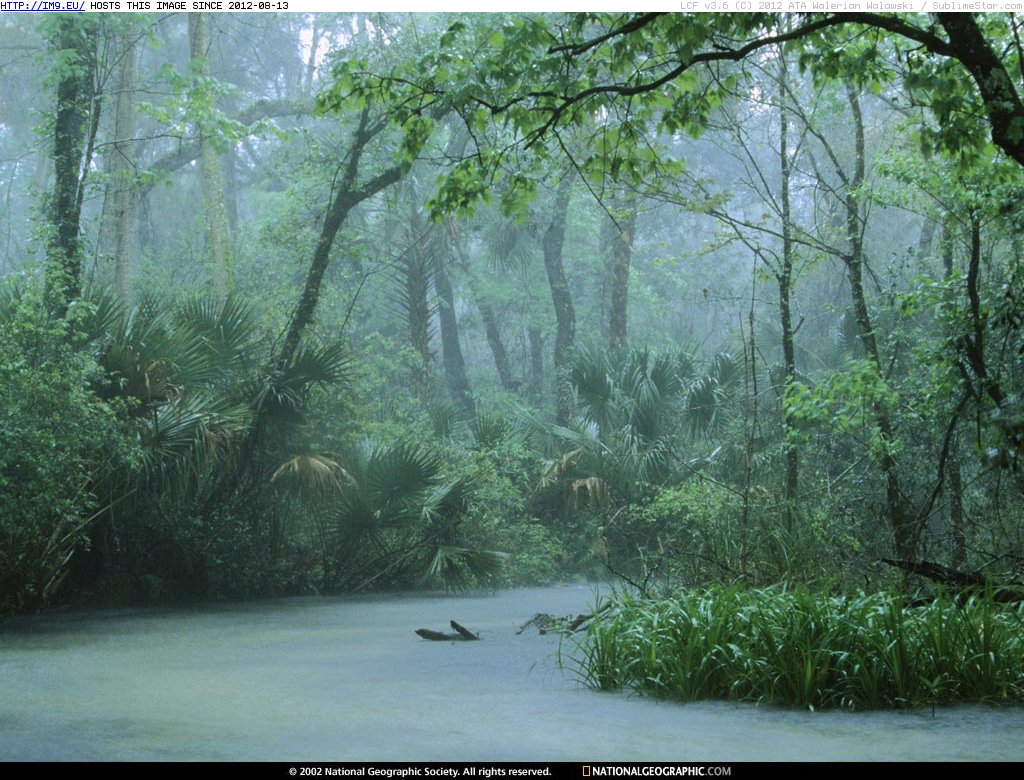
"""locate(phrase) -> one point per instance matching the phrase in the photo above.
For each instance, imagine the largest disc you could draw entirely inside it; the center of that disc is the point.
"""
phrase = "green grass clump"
(801, 649)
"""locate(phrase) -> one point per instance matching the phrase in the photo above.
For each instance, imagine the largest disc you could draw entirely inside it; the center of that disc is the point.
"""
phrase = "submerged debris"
(544, 622)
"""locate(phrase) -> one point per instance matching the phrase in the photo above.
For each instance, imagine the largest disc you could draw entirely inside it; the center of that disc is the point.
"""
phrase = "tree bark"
(785, 281)
(415, 297)
(901, 517)
(451, 349)
(122, 169)
(620, 258)
(212, 173)
(347, 195)
(958, 553)
(497, 345)
(491, 327)
(998, 93)
(77, 115)
(536, 338)
(561, 298)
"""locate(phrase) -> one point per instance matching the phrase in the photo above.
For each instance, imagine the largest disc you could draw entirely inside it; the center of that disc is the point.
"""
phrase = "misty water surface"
(347, 679)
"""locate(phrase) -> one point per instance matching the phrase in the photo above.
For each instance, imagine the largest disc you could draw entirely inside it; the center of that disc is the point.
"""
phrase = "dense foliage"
(471, 301)
(800, 649)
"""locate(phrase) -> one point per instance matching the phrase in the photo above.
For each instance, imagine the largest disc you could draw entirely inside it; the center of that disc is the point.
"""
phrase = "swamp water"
(347, 679)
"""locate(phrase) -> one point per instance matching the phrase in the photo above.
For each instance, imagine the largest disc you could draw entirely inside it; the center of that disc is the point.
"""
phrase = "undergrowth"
(792, 647)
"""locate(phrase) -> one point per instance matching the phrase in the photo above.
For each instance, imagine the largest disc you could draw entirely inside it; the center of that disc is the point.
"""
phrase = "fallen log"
(577, 624)
(462, 634)
(544, 622)
(960, 581)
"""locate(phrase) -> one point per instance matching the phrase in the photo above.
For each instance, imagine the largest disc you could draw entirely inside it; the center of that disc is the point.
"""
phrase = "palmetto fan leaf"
(456, 566)
(709, 396)
(448, 500)
(315, 472)
(283, 392)
(183, 433)
(594, 386)
(108, 312)
(399, 502)
(227, 328)
(394, 473)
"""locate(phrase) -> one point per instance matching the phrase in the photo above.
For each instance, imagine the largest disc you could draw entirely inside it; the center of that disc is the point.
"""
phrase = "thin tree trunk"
(491, 327)
(122, 168)
(901, 518)
(451, 350)
(497, 345)
(561, 297)
(958, 553)
(214, 200)
(785, 280)
(415, 298)
(536, 337)
(620, 258)
(926, 240)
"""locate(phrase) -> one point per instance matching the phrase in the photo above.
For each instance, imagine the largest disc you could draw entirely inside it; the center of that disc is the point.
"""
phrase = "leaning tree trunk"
(348, 194)
(999, 95)
(561, 297)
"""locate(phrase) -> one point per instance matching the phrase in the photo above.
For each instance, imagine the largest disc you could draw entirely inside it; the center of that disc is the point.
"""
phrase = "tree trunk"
(926, 240)
(451, 350)
(76, 113)
(122, 169)
(785, 280)
(957, 532)
(998, 93)
(497, 345)
(901, 518)
(536, 337)
(214, 202)
(491, 327)
(415, 298)
(620, 257)
(347, 195)
(561, 297)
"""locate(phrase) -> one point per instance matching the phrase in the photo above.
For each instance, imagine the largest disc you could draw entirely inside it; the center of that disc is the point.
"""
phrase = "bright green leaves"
(416, 131)
(192, 108)
(845, 401)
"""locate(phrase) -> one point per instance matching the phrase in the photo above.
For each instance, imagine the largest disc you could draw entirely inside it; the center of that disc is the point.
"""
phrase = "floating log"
(462, 634)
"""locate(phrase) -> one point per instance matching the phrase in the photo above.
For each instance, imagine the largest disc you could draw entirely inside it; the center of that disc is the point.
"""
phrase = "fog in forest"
(719, 313)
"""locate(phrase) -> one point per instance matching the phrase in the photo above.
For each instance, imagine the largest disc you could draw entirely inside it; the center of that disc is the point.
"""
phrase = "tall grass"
(797, 648)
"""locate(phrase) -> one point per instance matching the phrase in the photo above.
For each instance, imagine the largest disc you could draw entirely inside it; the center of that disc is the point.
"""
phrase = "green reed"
(792, 647)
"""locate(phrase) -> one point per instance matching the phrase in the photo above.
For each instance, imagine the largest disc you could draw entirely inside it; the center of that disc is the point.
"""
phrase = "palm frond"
(457, 567)
(316, 472)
